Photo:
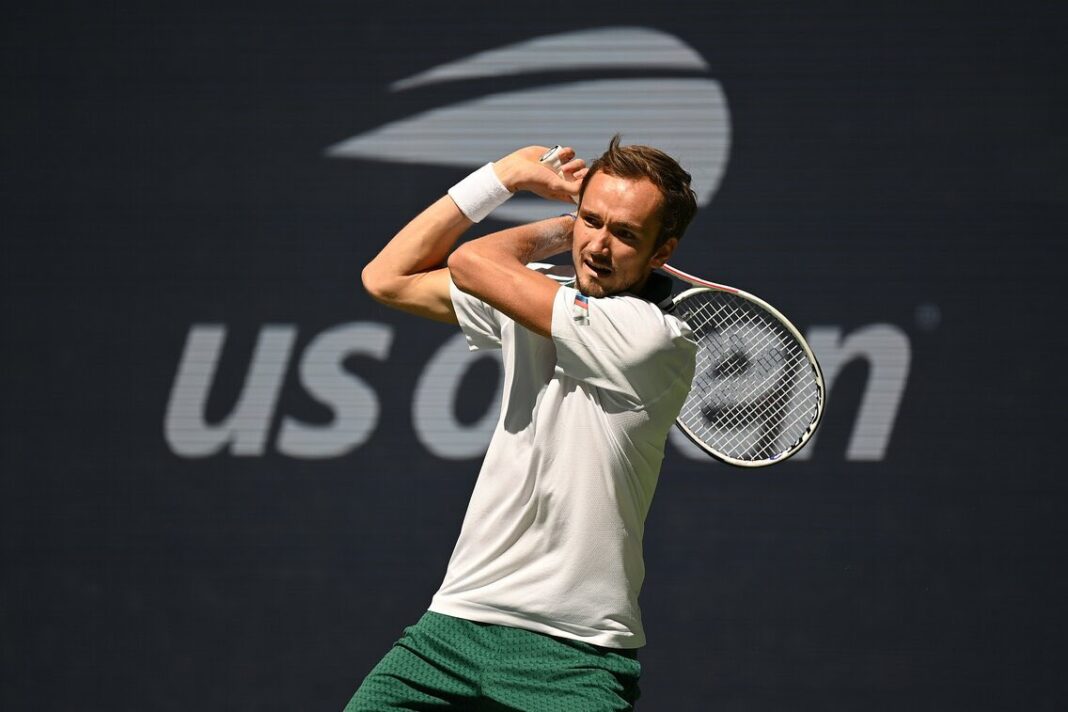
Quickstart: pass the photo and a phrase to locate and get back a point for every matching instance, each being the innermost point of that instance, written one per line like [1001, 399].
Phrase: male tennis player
[539, 606]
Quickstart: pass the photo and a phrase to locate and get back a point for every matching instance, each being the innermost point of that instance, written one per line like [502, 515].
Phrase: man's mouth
[597, 269]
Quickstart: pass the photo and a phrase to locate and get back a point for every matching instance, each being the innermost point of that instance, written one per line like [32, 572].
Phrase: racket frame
[699, 285]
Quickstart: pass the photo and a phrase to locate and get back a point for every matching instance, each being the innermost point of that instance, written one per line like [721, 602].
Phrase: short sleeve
[622, 344]
[480, 322]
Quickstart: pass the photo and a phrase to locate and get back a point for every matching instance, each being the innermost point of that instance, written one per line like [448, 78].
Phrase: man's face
[615, 234]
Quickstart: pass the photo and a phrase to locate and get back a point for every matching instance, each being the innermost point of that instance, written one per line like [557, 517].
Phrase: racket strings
[746, 428]
[754, 390]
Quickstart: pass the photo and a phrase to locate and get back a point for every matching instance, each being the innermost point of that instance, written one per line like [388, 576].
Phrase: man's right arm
[409, 273]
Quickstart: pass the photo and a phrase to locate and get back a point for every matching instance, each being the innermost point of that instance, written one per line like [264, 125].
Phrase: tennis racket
[757, 394]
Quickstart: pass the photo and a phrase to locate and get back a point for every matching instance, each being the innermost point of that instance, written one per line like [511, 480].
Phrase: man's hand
[522, 171]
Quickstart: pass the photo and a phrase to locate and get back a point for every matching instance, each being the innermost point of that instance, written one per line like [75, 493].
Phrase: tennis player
[539, 606]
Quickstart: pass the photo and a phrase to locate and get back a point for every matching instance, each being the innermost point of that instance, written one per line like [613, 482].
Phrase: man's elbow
[379, 285]
[459, 264]
[464, 266]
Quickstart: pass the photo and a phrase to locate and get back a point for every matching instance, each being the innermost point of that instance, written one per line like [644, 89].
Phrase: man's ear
[664, 252]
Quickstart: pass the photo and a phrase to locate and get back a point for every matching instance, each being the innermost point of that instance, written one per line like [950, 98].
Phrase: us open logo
[681, 110]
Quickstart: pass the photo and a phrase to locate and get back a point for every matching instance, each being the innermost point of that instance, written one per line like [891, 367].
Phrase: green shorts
[443, 662]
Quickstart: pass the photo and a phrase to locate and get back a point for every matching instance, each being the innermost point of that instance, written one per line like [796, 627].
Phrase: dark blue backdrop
[896, 179]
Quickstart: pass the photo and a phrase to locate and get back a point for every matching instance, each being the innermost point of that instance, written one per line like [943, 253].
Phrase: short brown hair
[636, 162]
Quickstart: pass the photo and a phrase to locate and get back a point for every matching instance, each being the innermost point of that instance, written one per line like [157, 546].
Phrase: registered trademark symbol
[928, 317]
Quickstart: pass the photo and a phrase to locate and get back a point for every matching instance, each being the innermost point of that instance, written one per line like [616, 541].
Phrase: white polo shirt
[552, 538]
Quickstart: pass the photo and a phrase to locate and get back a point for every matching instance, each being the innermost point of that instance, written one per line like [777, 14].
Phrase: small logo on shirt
[582, 309]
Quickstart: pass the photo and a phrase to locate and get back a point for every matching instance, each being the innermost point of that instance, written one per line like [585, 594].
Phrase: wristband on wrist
[479, 194]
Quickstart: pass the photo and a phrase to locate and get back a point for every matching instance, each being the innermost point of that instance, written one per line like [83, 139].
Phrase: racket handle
[551, 159]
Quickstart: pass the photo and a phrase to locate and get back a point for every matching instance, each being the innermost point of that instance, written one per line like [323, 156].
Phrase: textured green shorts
[443, 662]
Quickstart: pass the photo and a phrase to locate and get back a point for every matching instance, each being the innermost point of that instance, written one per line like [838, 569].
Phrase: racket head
[758, 392]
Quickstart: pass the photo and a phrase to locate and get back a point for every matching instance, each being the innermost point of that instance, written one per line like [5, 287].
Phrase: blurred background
[229, 479]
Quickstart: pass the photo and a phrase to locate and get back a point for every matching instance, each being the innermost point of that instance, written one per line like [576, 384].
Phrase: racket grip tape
[551, 159]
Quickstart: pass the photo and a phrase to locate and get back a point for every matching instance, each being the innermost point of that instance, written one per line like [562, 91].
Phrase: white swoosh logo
[601, 48]
[687, 117]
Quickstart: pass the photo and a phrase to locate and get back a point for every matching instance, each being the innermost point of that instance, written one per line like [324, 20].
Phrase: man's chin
[591, 288]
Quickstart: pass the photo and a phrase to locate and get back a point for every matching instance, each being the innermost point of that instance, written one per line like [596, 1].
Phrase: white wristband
[479, 194]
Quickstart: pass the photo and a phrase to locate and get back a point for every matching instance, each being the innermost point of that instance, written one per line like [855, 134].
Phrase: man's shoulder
[647, 313]
[647, 333]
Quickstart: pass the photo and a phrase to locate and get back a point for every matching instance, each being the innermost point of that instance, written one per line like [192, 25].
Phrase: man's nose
[599, 242]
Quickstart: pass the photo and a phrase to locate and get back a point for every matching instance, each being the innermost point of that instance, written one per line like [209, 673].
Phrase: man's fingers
[565, 154]
[562, 180]
[572, 167]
